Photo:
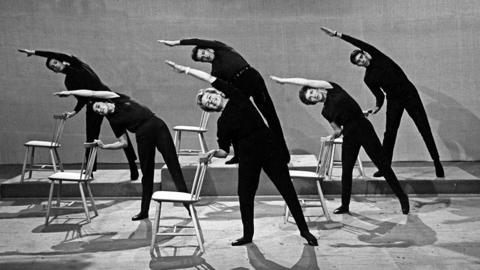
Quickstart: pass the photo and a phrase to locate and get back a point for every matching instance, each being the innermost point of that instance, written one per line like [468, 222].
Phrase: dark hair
[48, 63]
[354, 54]
[302, 94]
[195, 53]
[202, 92]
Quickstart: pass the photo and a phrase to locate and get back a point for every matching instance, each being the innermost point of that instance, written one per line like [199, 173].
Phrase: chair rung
[66, 207]
[176, 234]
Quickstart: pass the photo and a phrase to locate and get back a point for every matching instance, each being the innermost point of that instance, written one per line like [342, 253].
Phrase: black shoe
[405, 205]
[241, 241]
[378, 174]
[311, 240]
[233, 160]
[439, 169]
[341, 210]
[139, 216]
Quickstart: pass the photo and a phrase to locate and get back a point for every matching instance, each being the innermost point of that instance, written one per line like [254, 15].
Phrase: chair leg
[32, 162]
[84, 201]
[196, 225]
[203, 144]
[155, 227]
[92, 201]
[52, 157]
[286, 213]
[330, 165]
[177, 140]
[58, 159]
[322, 201]
[49, 205]
[59, 192]
[24, 167]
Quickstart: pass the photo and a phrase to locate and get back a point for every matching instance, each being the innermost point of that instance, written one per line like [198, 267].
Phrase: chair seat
[172, 196]
[338, 140]
[305, 175]
[190, 128]
[69, 176]
[42, 144]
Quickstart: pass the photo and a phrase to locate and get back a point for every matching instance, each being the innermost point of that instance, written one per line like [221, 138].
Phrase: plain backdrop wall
[435, 42]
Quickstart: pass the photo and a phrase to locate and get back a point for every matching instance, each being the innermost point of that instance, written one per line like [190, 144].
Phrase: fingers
[170, 63]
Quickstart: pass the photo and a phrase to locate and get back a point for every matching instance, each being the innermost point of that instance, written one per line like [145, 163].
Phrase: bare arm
[119, 144]
[303, 82]
[201, 75]
[218, 153]
[170, 43]
[88, 93]
[337, 130]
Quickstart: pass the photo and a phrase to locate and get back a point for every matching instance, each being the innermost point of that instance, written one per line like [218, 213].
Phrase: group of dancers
[257, 145]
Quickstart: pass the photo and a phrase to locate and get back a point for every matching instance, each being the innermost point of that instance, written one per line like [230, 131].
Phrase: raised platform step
[221, 180]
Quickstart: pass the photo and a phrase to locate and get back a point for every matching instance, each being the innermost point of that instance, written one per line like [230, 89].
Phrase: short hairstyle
[204, 91]
[195, 53]
[354, 54]
[48, 63]
[302, 94]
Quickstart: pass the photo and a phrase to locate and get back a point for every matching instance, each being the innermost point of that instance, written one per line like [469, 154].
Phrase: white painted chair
[199, 130]
[52, 146]
[82, 177]
[339, 141]
[182, 197]
[323, 158]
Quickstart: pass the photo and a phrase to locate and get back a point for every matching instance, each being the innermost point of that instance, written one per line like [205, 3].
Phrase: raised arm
[213, 44]
[355, 42]
[48, 54]
[303, 82]
[201, 75]
[88, 94]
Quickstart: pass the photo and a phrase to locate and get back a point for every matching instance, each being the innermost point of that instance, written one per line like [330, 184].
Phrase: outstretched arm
[213, 44]
[201, 75]
[87, 94]
[48, 54]
[303, 82]
[119, 144]
[355, 42]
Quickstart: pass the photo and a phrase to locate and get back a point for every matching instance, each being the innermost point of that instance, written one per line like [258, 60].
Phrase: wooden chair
[82, 177]
[339, 141]
[182, 197]
[199, 130]
[52, 147]
[323, 158]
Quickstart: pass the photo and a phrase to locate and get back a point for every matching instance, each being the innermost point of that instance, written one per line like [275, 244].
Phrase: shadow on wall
[454, 118]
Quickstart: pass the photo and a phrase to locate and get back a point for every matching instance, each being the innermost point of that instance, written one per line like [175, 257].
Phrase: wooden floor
[440, 233]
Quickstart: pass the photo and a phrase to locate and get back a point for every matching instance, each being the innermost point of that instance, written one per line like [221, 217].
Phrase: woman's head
[210, 99]
[360, 58]
[55, 65]
[311, 96]
[103, 107]
[202, 54]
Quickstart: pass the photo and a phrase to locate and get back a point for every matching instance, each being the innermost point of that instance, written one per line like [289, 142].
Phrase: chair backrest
[88, 160]
[204, 119]
[199, 176]
[60, 120]
[324, 156]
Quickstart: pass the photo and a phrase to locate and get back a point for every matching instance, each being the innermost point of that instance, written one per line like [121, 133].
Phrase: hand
[366, 113]
[99, 143]
[277, 79]
[177, 68]
[169, 43]
[328, 31]
[62, 93]
[27, 52]
[69, 114]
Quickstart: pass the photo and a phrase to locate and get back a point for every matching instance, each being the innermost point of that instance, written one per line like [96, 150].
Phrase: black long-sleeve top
[239, 120]
[128, 115]
[226, 63]
[340, 107]
[78, 75]
[382, 74]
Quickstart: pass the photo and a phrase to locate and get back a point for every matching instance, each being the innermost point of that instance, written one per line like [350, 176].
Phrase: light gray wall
[435, 42]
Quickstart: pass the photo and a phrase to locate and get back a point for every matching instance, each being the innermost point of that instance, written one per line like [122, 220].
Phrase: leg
[371, 144]
[164, 144]
[94, 123]
[415, 109]
[131, 157]
[248, 179]
[394, 115]
[350, 149]
[146, 152]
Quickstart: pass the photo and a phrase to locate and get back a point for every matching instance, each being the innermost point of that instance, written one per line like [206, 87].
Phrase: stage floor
[440, 233]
